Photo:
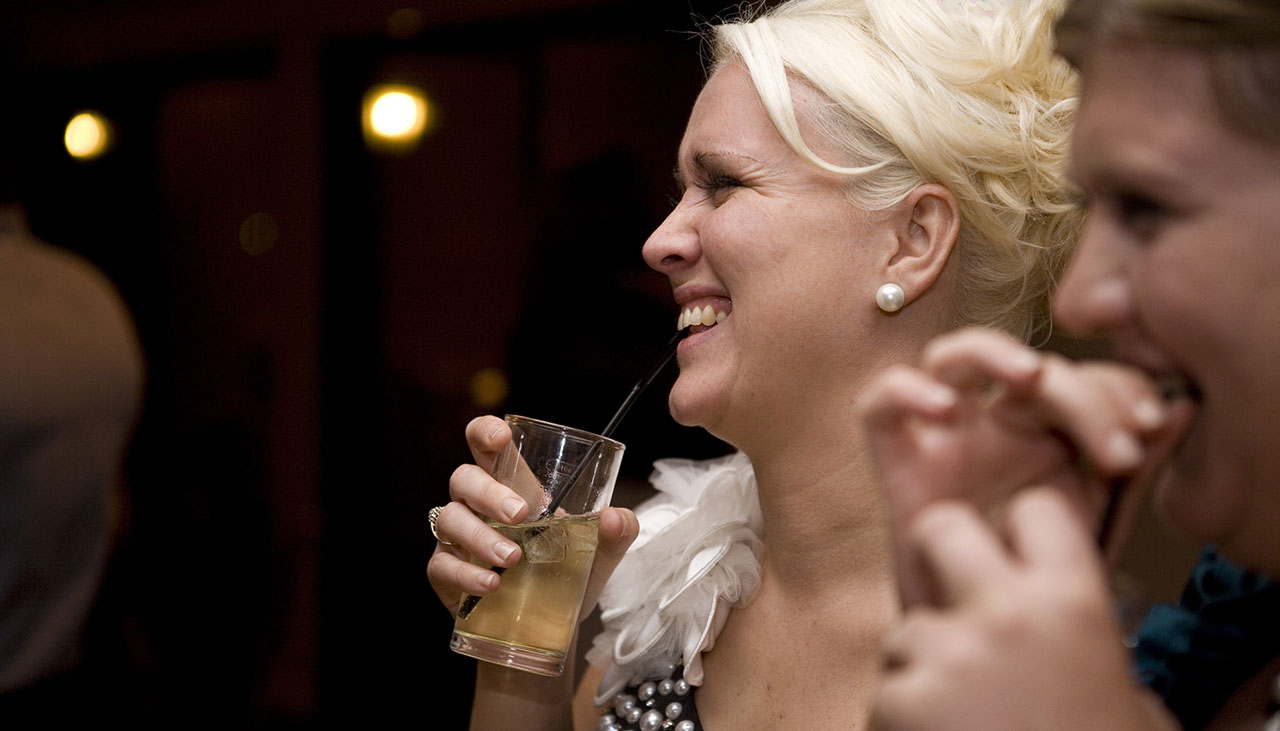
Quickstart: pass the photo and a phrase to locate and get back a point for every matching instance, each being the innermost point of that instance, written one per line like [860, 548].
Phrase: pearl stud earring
[890, 297]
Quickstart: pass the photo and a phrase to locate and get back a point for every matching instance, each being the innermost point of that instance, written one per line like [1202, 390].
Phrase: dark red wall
[305, 404]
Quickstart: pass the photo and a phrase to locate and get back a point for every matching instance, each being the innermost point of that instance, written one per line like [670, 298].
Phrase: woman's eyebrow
[708, 160]
[712, 158]
[702, 161]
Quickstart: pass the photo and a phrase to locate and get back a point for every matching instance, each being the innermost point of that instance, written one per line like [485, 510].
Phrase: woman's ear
[926, 226]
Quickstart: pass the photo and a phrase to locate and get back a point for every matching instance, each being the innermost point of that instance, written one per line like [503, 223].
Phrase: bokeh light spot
[488, 388]
[259, 233]
[88, 135]
[396, 116]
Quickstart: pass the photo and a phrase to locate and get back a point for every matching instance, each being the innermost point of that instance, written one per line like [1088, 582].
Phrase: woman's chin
[1203, 506]
[682, 413]
[690, 407]
[1171, 502]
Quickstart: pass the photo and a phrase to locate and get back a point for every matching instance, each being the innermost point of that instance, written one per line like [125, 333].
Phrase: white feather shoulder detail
[697, 556]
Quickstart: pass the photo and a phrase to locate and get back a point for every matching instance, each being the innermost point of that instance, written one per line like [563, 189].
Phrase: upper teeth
[700, 316]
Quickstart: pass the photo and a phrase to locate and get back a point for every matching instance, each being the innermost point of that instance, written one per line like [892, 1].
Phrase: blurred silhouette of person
[71, 378]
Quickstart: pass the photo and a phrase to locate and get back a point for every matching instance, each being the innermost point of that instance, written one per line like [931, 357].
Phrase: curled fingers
[958, 551]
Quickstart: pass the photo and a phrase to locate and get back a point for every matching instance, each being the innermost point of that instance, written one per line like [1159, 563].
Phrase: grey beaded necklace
[664, 704]
[1273, 708]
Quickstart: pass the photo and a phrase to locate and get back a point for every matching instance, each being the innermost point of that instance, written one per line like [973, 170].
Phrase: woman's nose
[1095, 295]
[675, 243]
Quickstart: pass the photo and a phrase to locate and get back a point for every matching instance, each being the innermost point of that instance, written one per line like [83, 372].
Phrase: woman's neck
[823, 514]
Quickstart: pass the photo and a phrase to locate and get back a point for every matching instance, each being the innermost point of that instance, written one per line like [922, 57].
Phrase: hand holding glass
[567, 477]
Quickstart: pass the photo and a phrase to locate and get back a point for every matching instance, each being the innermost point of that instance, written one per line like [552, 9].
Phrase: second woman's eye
[1141, 215]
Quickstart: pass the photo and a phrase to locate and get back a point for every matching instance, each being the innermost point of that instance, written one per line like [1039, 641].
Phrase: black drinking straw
[558, 496]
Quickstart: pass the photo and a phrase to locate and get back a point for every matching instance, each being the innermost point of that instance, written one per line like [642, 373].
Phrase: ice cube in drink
[530, 620]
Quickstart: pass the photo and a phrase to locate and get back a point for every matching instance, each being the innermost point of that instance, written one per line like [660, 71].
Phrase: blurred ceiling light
[396, 116]
[88, 135]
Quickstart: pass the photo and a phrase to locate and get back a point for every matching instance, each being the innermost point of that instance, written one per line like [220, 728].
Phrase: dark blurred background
[321, 317]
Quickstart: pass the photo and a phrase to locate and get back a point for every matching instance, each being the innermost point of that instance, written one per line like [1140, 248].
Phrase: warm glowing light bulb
[395, 116]
[88, 135]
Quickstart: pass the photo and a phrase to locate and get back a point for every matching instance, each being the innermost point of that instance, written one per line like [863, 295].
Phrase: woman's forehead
[1144, 111]
[729, 118]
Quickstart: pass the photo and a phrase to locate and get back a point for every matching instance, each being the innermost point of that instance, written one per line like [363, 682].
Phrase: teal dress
[1225, 628]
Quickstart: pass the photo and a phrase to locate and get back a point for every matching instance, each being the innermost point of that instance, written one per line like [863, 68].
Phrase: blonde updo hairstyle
[951, 92]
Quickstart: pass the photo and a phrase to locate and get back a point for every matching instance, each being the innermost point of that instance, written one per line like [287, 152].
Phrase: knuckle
[458, 574]
[437, 570]
[936, 521]
[467, 578]
[460, 474]
[878, 397]
[481, 534]
[936, 348]
[1006, 619]
[494, 492]
[449, 575]
[1082, 606]
[447, 515]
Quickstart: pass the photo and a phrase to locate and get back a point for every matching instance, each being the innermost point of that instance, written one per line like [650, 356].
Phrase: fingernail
[1124, 449]
[511, 507]
[489, 580]
[504, 550]
[1026, 360]
[1148, 414]
[941, 397]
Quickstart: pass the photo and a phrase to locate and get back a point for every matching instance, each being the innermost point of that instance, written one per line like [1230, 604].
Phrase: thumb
[618, 530]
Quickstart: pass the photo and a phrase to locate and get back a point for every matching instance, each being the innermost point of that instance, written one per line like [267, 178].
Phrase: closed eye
[718, 187]
[718, 182]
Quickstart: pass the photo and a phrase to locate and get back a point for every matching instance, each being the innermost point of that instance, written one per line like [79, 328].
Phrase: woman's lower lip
[695, 335]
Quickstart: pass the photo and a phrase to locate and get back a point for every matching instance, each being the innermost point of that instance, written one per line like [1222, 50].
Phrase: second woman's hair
[1238, 39]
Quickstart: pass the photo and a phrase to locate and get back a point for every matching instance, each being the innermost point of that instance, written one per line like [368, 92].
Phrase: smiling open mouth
[1175, 386]
[694, 316]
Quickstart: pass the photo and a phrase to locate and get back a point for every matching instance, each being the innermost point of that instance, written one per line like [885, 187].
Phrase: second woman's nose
[1095, 295]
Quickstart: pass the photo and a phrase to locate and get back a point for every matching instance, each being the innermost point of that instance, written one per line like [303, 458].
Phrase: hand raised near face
[984, 415]
[1019, 634]
[476, 497]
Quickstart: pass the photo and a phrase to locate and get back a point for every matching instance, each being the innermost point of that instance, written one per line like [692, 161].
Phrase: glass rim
[579, 433]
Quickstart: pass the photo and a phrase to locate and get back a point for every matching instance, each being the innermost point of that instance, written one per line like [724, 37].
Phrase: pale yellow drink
[534, 613]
